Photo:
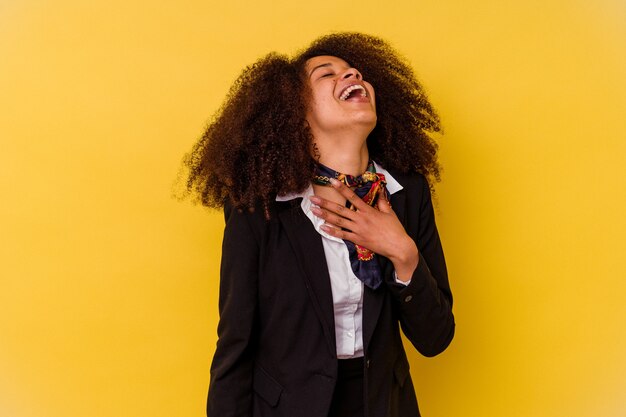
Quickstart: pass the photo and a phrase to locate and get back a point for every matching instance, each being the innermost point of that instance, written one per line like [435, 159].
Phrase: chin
[368, 121]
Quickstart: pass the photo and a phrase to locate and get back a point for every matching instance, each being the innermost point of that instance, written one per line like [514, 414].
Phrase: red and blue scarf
[369, 187]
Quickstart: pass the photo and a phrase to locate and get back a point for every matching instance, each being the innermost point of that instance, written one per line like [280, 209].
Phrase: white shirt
[346, 288]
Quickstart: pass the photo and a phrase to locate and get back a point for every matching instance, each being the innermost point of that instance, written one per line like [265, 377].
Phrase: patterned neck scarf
[369, 187]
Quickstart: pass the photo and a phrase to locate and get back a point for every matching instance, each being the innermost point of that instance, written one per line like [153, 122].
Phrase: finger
[349, 195]
[383, 204]
[343, 234]
[340, 233]
[330, 206]
[332, 218]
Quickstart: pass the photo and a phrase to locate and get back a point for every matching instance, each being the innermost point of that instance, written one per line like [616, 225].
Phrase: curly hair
[258, 145]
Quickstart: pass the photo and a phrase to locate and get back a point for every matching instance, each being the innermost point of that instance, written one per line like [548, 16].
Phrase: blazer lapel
[373, 299]
[309, 252]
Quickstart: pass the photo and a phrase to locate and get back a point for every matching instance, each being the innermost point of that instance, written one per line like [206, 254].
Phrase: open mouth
[352, 91]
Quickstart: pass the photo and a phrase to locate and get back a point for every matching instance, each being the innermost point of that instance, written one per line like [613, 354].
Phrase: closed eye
[328, 74]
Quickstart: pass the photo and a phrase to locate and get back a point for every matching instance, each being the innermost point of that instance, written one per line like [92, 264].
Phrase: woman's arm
[426, 303]
[230, 390]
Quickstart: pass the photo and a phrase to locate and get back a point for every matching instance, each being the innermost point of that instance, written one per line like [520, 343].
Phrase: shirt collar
[393, 186]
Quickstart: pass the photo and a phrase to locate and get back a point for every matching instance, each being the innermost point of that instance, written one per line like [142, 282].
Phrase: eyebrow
[327, 64]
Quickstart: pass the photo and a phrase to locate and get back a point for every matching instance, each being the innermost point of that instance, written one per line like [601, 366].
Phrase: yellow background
[108, 288]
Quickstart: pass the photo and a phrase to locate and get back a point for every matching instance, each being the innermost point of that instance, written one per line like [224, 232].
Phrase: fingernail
[334, 181]
[314, 199]
[316, 211]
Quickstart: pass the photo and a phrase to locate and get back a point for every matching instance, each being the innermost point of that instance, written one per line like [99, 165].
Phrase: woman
[315, 279]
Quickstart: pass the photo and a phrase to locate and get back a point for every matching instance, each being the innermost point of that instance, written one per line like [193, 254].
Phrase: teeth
[347, 91]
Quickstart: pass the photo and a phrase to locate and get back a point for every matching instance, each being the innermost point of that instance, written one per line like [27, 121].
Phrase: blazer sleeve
[425, 305]
[230, 388]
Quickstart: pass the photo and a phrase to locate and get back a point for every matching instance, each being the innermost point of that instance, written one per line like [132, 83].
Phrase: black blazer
[276, 352]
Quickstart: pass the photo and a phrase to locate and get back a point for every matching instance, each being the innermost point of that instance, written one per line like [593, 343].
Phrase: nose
[352, 72]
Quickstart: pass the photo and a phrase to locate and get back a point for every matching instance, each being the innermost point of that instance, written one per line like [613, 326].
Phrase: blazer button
[408, 298]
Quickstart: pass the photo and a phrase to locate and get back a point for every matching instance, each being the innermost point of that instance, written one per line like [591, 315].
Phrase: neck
[347, 157]
[352, 162]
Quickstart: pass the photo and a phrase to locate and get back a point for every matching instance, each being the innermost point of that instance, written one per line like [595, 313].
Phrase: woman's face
[340, 99]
